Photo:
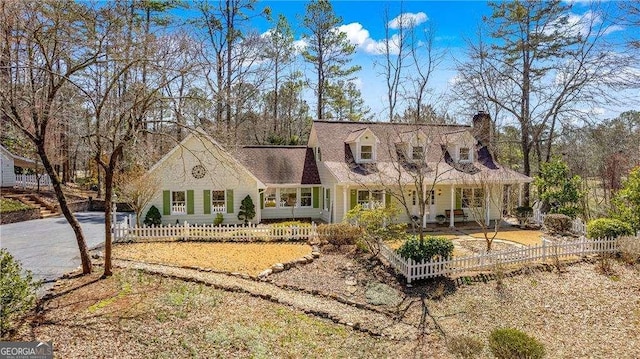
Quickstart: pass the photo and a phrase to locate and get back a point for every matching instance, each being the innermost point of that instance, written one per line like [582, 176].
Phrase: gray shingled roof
[337, 156]
[280, 164]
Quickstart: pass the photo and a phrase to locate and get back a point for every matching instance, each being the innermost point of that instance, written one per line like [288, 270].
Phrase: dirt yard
[574, 310]
[249, 258]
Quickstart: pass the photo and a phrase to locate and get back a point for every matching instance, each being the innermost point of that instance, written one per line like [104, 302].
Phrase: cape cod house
[343, 164]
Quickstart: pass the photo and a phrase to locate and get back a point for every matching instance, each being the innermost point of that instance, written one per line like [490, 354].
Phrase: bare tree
[481, 193]
[137, 189]
[43, 48]
[539, 70]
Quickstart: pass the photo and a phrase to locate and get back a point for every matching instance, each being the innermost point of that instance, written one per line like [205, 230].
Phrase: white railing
[219, 209]
[577, 225]
[412, 270]
[31, 181]
[179, 208]
[123, 231]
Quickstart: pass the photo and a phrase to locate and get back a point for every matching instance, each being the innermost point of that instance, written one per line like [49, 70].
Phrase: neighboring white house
[8, 162]
[343, 164]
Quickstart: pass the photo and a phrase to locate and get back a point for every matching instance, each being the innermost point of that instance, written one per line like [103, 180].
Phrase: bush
[426, 250]
[629, 249]
[608, 228]
[218, 220]
[557, 223]
[247, 210]
[463, 346]
[572, 212]
[511, 343]
[339, 234]
[17, 291]
[153, 217]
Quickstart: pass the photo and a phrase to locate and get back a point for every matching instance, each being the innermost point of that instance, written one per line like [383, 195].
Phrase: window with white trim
[305, 197]
[218, 201]
[471, 197]
[270, 198]
[370, 199]
[288, 197]
[178, 202]
[417, 153]
[366, 152]
[327, 199]
[465, 154]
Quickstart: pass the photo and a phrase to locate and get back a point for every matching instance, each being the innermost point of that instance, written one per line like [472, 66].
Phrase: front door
[430, 209]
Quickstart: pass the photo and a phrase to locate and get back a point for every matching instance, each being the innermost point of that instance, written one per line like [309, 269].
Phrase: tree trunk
[64, 207]
[108, 202]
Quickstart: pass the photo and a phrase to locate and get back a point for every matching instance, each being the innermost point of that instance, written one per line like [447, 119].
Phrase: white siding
[222, 173]
[7, 171]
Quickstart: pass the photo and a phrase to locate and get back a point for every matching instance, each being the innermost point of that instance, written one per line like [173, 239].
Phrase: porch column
[508, 189]
[453, 206]
[487, 204]
[520, 186]
[345, 197]
[424, 204]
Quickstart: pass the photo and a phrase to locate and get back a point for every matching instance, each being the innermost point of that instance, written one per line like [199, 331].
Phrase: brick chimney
[483, 128]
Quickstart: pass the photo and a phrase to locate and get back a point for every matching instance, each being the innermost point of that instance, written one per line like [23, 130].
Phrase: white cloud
[300, 45]
[356, 34]
[408, 19]
[585, 24]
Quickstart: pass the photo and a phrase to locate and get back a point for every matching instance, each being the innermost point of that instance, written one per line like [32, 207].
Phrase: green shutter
[206, 200]
[458, 198]
[229, 201]
[387, 199]
[166, 203]
[354, 198]
[190, 202]
[316, 197]
[328, 199]
[261, 200]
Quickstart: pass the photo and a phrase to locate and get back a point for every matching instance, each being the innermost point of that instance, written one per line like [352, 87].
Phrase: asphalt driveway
[48, 247]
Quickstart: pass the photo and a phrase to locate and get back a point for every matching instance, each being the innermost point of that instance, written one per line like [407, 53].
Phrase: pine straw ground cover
[249, 258]
[136, 315]
[576, 312]
[525, 237]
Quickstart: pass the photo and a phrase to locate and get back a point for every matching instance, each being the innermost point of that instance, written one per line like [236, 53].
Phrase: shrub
[218, 220]
[17, 291]
[339, 234]
[629, 249]
[247, 210]
[427, 249]
[153, 217]
[557, 223]
[465, 347]
[511, 343]
[570, 211]
[608, 228]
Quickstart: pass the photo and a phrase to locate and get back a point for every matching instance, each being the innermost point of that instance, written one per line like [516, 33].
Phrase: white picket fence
[412, 270]
[31, 181]
[123, 231]
[577, 225]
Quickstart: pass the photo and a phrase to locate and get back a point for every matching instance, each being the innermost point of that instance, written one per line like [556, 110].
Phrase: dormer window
[417, 153]
[465, 154]
[366, 152]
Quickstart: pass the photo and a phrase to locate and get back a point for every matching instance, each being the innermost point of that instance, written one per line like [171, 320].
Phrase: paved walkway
[362, 319]
[48, 247]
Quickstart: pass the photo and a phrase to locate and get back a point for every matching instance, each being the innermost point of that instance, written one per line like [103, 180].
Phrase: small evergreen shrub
[218, 220]
[426, 250]
[465, 347]
[17, 291]
[511, 343]
[608, 228]
[247, 210]
[153, 217]
[339, 234]
[557, 223]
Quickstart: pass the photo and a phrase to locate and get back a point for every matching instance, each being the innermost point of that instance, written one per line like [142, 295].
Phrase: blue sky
[453, 21]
